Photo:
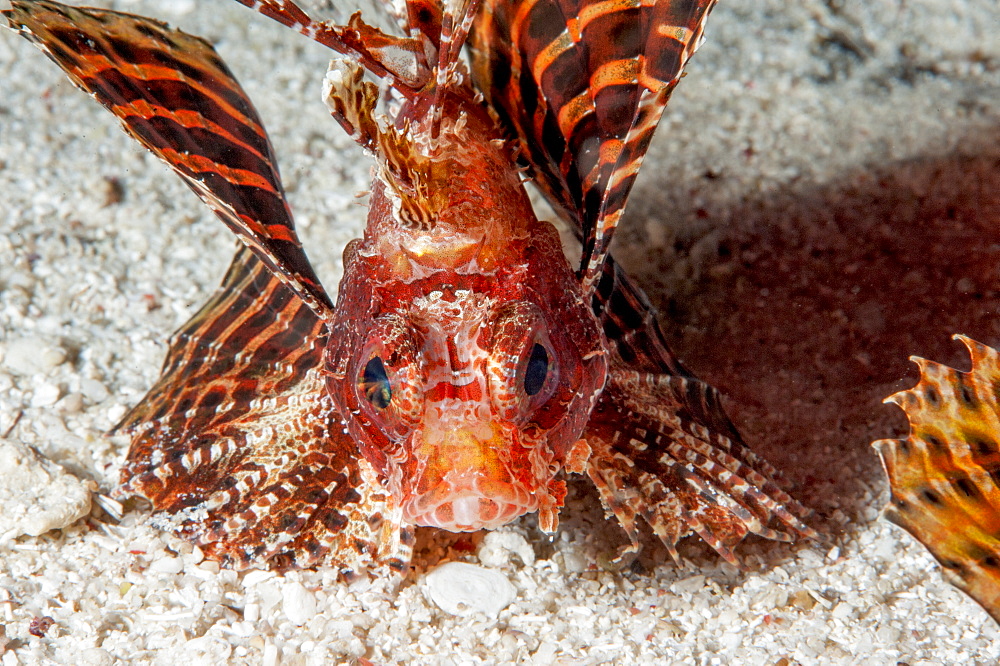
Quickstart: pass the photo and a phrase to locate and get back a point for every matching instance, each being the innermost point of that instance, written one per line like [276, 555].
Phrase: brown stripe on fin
[630, 325]
[174, 94]
[944, 476]
[582, 84]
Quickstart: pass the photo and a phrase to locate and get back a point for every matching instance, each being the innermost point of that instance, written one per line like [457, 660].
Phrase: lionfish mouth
[461, 483]
[468, 510]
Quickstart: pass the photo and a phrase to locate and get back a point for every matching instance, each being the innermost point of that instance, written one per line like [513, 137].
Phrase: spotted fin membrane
[945, 476]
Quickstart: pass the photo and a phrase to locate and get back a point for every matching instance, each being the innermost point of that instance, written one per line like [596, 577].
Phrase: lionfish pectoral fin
[944, 476]
[582, 84]
[629, 322]
[174, 94]
[239, 447]
[654, 459]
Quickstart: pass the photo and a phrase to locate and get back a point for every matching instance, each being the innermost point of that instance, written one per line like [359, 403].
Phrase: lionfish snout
[462, 482]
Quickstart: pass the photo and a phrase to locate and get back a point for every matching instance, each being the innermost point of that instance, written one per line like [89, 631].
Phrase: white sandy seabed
[90, 289]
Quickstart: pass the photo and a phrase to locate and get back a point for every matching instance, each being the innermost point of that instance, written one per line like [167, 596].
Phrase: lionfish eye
[374, 384]
[537, 370]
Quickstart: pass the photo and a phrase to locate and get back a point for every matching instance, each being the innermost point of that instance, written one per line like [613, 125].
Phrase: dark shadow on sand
[812, 300]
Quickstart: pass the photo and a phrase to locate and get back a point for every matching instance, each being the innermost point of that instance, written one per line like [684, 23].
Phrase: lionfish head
[463, 355]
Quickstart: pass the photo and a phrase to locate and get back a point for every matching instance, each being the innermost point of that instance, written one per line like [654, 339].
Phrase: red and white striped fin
[653, 458]
[239, 447]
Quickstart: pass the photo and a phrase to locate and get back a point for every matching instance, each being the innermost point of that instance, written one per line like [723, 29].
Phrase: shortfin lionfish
[465, 368]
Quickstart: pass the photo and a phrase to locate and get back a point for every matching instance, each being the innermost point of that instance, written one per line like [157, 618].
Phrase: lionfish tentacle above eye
[403, 164]
[401, 61]
[582, 85]
[945, 477]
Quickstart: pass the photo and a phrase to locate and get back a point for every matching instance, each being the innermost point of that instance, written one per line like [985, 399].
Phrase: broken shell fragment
[463, 589]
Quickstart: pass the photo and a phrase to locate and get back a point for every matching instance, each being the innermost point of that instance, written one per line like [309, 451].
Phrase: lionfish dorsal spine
[400, 61]
[426, 57]
[421, 67]
[456, 21]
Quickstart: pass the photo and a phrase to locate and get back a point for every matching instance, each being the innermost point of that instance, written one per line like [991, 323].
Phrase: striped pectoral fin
[253, 334]
[294, 495]
[582, 84]
[636, 341]
[239, 447]
[282, 486]
[653, 460]
[175, 95]
[945, 477]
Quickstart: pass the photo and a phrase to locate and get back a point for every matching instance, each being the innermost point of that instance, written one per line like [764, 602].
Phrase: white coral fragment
[498, 546]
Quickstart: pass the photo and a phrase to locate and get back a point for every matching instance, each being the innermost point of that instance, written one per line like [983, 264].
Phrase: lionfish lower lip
[466, 507]
[468, 513]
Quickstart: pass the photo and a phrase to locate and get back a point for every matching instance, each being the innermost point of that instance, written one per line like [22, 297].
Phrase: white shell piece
[29, 356]
[298, 603]
[458, 588]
